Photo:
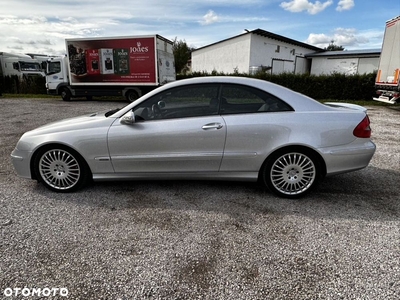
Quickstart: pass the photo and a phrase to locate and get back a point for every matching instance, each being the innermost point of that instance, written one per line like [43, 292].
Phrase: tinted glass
[243, 99]
[181, 102]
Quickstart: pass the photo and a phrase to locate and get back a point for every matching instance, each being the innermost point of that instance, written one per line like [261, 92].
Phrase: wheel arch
[60, 87]
[45, 147]
[290, 148]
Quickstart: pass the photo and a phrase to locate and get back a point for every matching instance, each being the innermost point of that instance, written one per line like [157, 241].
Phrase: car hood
[95, 120]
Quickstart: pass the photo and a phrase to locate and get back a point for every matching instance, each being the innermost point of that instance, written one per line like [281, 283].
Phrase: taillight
[363, 130]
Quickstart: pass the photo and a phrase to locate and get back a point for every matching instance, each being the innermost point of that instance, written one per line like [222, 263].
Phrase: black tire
[61, 169]
[66, 94]
[292, 173]
[131, 95]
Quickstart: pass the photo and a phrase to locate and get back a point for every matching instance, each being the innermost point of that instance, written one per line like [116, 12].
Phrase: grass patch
[31, 96]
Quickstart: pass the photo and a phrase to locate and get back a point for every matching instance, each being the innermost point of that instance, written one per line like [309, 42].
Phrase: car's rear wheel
[61, 169]
[291, 174]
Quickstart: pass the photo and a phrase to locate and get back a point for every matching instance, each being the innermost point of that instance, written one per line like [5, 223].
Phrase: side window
[180, 102]
[54, 67]
[237, 99]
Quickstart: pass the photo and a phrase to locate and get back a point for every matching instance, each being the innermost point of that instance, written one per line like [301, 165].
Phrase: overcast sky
[41, 26]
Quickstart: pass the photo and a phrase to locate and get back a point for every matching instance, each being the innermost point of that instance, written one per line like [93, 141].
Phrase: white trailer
[387, 81]
[111, 66]
[21, 65]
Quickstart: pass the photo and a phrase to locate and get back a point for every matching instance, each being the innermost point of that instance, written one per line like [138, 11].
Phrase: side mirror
[128, 119]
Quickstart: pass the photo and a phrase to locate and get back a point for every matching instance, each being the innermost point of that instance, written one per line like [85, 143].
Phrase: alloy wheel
[59, 169]
[293, 173]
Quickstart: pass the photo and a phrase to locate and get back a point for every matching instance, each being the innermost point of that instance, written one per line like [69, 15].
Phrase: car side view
[210, 128]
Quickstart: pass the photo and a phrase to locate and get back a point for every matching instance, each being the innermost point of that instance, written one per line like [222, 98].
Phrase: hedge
[336, 86]
[26, 85]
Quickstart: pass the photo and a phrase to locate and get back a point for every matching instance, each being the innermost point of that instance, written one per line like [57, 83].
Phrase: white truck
[21, 65]
[387, 81]
[111, 66]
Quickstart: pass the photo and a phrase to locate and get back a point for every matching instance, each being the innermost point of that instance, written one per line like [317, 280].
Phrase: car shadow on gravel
[366, 194]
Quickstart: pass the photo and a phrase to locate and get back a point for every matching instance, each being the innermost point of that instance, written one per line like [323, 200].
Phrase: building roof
[271, 36]
[347, 53]
[284, 39]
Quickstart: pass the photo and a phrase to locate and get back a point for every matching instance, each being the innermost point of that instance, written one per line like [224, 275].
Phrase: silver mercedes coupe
[226, 128]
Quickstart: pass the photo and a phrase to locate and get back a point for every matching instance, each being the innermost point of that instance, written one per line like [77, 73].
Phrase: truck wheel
[66, 94]
[131, 95]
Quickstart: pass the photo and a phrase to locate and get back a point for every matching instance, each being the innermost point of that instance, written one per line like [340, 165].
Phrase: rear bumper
[354, 156]
[391, 96]
[390, 100]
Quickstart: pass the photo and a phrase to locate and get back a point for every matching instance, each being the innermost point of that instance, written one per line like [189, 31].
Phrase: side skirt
[239, 176]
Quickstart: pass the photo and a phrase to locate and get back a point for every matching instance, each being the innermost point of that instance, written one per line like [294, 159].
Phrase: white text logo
[27, 292]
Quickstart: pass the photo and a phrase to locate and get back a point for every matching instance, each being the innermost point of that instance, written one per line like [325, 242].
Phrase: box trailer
[388, 76]
[111, 66]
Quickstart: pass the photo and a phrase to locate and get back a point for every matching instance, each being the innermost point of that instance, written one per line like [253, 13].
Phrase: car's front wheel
[292, 174]
[61, 169]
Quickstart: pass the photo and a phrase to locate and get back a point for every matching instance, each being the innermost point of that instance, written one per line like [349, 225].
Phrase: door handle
[212, 126]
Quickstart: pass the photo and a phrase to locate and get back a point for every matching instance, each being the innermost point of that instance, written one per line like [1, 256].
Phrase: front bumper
[21, 163]
[51, 92]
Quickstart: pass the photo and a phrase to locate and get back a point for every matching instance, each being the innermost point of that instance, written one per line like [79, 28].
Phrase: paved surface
[198, 240]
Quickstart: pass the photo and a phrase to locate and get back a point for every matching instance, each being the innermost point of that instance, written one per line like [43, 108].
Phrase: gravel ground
[198, 240]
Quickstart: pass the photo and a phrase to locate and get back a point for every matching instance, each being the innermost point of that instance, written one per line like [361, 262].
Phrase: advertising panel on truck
[115, 61]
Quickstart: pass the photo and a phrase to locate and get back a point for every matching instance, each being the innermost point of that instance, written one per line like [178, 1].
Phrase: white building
[252, 51]
[344, 62]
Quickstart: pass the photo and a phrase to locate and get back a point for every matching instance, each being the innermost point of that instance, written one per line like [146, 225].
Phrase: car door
[178, 130]
[256, 124]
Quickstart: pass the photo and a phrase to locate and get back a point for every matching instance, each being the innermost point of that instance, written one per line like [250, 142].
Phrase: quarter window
[243, 99]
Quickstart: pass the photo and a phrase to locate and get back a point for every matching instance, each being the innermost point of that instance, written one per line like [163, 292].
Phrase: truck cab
[20, 65]
[56, 75]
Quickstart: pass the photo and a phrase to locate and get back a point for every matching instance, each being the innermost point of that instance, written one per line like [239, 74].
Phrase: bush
[336, 86]
[26, 85]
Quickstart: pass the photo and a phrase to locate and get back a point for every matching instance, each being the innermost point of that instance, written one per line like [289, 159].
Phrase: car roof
[297, 101]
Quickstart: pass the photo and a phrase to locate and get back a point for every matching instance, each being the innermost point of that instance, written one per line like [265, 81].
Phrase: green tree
[182, 55]
[333, 47]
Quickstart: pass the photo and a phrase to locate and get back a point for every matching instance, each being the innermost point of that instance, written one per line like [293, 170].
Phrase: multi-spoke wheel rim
[59, 169]
[293, 173]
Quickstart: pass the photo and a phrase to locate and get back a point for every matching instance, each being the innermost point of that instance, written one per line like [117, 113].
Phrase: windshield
[53, 67]
[29, 66]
